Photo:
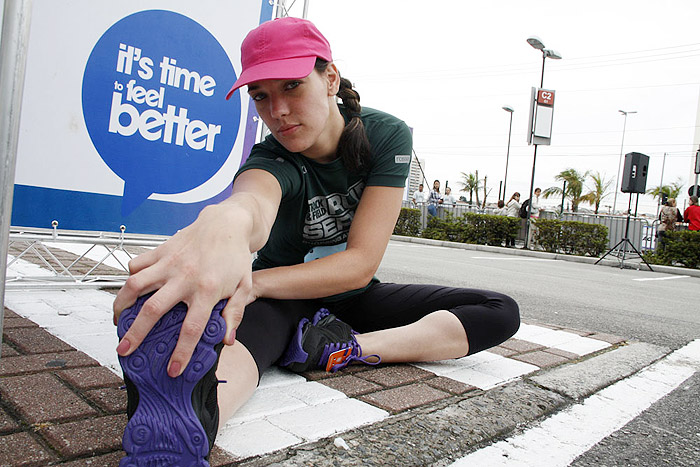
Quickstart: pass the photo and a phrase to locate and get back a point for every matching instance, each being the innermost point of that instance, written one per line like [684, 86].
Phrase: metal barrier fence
[642, 232]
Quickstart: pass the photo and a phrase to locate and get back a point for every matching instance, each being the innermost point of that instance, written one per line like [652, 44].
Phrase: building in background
[415, 176]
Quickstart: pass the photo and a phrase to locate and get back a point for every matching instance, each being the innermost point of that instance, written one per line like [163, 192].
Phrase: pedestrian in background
[534, 214]
[419, 196]
[501, 209]
[513, 210]
[692, 214]
[667, 217]
[448, 199]
[435, 199]
[513, 205]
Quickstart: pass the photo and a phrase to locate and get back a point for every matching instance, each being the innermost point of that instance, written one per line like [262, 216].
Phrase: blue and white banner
[124, 117]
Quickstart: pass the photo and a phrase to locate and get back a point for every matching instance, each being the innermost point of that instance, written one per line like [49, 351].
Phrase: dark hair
[501, 203]
[513, 197]
[353, 148]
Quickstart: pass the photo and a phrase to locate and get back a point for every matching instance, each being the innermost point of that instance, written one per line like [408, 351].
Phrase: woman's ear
[333, 77]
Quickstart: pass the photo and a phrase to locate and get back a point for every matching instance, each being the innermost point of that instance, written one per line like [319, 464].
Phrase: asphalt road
[662, 311]
[640, 305]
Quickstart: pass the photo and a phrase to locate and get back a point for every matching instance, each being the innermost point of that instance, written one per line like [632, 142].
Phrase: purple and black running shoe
[324, 343]
[172, 421]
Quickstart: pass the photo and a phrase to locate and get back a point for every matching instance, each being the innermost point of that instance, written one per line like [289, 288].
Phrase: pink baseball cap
[284, 48]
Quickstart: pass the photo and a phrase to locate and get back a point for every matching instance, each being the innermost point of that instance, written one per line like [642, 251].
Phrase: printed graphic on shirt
[402, 159]
[329, 217]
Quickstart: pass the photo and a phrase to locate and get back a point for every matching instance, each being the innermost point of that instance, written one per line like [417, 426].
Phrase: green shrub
[681, 247]
[481, 229]
[570, 237]
[408, 223]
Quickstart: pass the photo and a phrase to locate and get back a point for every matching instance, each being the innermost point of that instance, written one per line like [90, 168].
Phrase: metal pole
[281, 10]
[697, 171]
[563, 197]
[532, 179]
[661, 185]
[619, 163]
[13, 59]
[305, 14]
[505, 178]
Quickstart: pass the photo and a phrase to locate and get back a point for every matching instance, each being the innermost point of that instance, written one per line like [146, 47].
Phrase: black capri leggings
[489, 318]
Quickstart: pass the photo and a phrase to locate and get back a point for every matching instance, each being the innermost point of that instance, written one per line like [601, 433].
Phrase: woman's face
[436, 185]
[298, 111]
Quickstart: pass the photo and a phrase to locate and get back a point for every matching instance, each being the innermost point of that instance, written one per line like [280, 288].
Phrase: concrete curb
[447, 430]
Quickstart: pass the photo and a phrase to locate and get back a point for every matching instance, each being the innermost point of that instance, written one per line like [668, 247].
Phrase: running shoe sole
[165, 428]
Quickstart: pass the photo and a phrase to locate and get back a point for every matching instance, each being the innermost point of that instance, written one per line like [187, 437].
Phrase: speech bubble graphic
[153, 103]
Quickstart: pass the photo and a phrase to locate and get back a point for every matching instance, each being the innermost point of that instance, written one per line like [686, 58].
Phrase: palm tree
[471, 183]
[574, 187]
[671, 191]
[599, 190]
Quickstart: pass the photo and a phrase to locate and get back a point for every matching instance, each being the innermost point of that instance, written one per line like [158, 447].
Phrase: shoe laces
[340, 354]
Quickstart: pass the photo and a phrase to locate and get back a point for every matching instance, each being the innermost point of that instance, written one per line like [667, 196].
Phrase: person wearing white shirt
[535, 209]
[448, 199]
[534, 214]
[419, 196]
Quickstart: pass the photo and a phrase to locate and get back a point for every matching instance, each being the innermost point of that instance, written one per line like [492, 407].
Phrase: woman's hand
[207, 261]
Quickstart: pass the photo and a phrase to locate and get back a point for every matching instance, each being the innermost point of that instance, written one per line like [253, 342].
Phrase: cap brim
[288, 68]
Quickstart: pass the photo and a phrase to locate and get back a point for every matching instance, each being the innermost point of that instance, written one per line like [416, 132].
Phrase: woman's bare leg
[437, 336]
[237, 367]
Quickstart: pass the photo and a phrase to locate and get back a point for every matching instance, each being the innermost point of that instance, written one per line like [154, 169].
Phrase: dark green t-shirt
[319, 200]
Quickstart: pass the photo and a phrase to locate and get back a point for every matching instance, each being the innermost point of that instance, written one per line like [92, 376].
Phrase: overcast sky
[447, 68]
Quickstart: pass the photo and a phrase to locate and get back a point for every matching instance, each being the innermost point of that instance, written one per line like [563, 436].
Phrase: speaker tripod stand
[624, 242]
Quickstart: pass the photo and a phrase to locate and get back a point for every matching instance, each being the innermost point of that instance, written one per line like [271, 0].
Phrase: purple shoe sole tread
[164, 429]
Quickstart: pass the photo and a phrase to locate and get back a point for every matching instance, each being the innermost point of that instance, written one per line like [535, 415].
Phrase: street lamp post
[619, 162]
[537, 43]
[510, 110]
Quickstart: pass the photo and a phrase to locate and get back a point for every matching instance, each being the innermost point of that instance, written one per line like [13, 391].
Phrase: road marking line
[660, 278]
[511, 259]
[561, 438]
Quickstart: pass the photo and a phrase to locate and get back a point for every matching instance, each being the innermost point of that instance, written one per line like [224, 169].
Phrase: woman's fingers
[141, 283]
[191, 331]
[144, 260]
[151, 311]
[234, 309]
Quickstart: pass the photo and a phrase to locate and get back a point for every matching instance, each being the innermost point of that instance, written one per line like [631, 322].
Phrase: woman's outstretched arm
[203, 263]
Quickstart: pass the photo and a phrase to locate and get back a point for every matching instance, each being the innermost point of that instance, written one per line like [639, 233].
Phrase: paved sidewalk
[61, 402]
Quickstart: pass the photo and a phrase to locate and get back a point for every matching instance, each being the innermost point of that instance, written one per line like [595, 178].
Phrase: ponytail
[353, 147]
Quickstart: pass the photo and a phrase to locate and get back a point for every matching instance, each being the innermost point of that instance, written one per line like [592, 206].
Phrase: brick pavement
[59, 405]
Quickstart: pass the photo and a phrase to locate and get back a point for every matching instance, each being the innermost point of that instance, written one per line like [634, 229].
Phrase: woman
[501, 209]
[317, 201]
[434, 198]
[692, 214]
[512, 210]
[668, 217]
[449, 199]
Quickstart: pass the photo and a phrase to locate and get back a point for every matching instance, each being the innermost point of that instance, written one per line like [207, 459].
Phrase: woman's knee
[509, 314]
[490, 323]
